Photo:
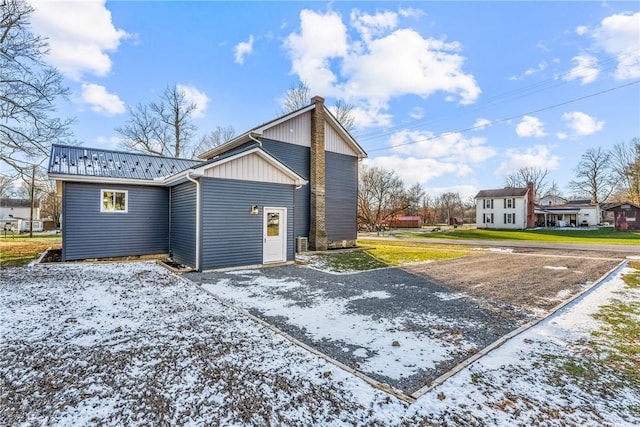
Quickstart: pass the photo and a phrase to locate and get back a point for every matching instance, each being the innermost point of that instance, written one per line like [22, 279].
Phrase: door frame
[283, 232]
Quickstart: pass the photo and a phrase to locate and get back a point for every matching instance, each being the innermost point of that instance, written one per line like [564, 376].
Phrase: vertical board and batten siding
[183, 223]
[341, 196]
[334, 143]
[296, 130]
[231, 235]
[89, 233]
[251, 167]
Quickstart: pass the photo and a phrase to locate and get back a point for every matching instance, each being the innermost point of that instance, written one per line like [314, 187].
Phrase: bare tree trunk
[33, 191]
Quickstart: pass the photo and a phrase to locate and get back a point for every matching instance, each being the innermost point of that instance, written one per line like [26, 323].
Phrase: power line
[562, 79]
[506, 119]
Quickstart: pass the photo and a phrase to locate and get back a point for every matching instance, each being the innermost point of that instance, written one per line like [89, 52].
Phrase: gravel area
[394, 326]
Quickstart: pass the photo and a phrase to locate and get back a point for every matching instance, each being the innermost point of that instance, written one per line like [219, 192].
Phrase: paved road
[630, 249]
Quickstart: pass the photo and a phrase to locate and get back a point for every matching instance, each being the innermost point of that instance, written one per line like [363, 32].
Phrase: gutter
[198, 219]
[254, 139]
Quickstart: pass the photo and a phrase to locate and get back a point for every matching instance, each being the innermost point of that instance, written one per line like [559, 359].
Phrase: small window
[114, 201]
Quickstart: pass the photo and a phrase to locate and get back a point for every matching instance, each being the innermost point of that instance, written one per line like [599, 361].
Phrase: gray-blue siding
[89, 233]
[183, 223]
[341, 196]
[231, 236]
[341, 189]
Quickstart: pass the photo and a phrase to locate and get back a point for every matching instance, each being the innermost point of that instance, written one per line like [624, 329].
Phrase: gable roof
[503, 192]
[69, 161]
[618, 205]
[257, 131]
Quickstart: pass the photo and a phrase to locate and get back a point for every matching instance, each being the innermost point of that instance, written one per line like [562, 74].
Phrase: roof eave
[105, 180]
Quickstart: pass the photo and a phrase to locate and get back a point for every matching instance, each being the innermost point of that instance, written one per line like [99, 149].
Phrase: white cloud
[619, 35]
[373, 25]
[371, 115]
[110, 143]
[416, 113]
[376, 62]
[481, 123]
[530, 127]
[100, 100]
[412, 170]
[530, 71]
[562, 135]
[242, 49]
[409, 12]
[582, 124]
[586, 69]
[452, 147]
[581, 30]
[80, 35]
[537, 156]
[192, 94]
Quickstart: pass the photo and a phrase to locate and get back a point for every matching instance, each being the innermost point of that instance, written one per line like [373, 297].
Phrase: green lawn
[399, 253]
[19, 249]
[601, 235]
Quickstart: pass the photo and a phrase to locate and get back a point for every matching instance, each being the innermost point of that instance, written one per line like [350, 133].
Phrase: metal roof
[94, 162]
[503, 192]
[18, 203]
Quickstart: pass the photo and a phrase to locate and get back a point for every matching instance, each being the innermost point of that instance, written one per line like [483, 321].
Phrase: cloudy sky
[453, 95]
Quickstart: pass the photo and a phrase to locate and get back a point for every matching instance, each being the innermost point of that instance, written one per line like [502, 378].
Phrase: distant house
[244, 203]
[15, 215]
[559, 212]
[505, 208]
[626, 216]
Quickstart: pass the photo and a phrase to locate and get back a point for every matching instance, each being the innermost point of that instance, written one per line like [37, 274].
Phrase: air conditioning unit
[302, 244]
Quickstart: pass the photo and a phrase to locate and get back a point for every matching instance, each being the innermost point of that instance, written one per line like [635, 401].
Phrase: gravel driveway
[394, 326]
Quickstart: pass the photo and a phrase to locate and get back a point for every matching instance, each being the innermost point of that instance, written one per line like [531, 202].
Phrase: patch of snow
[555, 267]
[497, 250]
[448, 296]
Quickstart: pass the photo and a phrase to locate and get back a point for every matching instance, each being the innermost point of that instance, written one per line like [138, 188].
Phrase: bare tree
[299, 96]
[415, 196]
[216, 137]
[5, 186]
[427, 211]
[380, 194]
[163, 128]
[343, 112]
[29, 89]
[448, 204]
[625, 163]
[594, 176]
[538, 176]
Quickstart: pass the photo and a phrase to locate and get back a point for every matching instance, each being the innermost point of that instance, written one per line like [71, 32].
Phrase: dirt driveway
[534, 281]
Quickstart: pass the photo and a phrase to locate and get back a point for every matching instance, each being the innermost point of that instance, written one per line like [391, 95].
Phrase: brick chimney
[531, 206]
[317, 230]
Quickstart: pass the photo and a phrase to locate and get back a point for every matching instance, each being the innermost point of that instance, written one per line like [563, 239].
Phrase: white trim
[126, 201]
[105, 180]
[298, 180]
[283, 226]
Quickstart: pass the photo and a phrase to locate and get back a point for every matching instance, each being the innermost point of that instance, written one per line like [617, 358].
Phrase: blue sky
[453, 95]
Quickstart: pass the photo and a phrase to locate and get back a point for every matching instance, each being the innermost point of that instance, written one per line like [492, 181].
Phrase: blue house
[244, 203]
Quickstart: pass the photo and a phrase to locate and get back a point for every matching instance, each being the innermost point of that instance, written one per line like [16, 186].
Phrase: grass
[611, 358]
[600, 235]
[18, 250]
[341, 262]
[400, 253]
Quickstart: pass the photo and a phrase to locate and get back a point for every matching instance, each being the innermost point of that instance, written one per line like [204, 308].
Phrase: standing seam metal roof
[81, 161]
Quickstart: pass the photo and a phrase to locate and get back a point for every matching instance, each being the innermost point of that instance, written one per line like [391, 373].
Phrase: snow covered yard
[132, 344]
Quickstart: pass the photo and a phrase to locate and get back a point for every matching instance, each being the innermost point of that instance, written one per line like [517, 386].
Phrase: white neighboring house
[15, 215]
[504, 208]
[554, 211]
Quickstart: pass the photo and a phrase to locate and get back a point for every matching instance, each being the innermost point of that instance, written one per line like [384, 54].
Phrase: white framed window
[114, 201]
[509, 203]
[487, 218]
[488, 203]
[509, 218]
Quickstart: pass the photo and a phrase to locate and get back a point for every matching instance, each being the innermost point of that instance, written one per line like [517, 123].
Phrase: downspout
[256, 140]
[198, 223]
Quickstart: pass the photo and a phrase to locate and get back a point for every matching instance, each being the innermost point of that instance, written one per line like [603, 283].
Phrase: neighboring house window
[508, 203]
[488, 203]
[114, 201]
[487, 218]
[509, 218]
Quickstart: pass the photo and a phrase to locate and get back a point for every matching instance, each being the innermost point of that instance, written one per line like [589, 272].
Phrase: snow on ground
[133, 344]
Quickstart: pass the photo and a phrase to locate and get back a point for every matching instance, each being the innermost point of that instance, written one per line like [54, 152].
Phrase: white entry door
[275, 235]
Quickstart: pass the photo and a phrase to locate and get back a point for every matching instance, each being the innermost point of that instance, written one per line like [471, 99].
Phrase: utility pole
[33, 187]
